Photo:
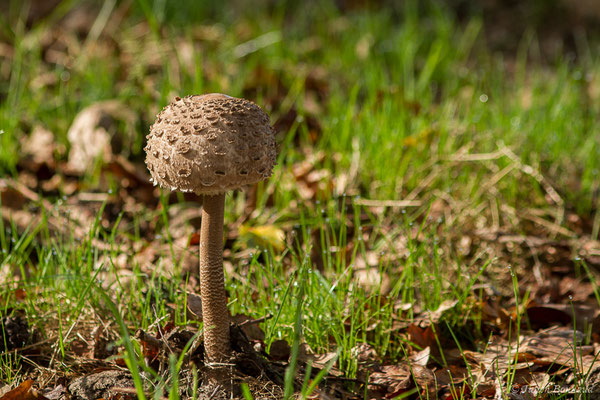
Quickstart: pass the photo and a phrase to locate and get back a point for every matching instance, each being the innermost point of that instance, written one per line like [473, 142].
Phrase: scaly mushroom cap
[210, 144]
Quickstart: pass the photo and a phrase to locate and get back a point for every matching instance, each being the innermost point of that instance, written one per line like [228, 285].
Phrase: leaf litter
[420, 371]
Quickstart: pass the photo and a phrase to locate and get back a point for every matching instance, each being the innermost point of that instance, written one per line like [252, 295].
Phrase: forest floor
[431, 229]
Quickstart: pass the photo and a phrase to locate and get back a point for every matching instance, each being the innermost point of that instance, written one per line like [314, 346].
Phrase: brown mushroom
[208, 145]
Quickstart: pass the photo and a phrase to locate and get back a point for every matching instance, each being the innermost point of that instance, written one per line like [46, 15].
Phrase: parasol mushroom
[211, 144]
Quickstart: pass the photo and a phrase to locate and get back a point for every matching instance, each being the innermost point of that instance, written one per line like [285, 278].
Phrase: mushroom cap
[209, 144]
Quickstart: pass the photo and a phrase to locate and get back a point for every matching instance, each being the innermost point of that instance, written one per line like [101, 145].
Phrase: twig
[553, 227]
[388, 203]
[476, 157]
[425, 183]
[145, 337]
[529, 170]
[256, 321]
[535, 174]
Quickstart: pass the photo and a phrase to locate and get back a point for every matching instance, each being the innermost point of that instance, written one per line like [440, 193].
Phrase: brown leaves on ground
[24, 391]
[94, 133]
[546, 243]
[111, 384]
[539, 361]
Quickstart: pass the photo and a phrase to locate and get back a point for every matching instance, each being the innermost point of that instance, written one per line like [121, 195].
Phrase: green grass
[404, 99]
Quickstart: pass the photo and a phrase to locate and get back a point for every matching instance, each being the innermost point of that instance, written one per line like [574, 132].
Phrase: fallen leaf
[265, 236]
[280, 350]
[421, 357]
[583, 314]
[453, 374]
[392, 377]
[310, 181]
[252, 331]
[150, 345]
[24, 391]
[39, 145]
[457, 392]
[422, 337]
[92, 131]
[561, 347]
[319, 361]
[425, 380]
[99, 385]
[364, 353]
[194, 305]
[14, 330]
[372, 279]
[544, 316]
[57, 393]
[435, 316]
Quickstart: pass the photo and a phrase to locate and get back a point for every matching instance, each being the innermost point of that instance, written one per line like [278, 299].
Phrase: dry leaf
[280, 350]
[265, 236]
[422, 337]
[57, 393]
[39, 145]
[393, 377]
[421, 357]
[435, 316]
[92, 131]
[319, 361]
[194, 305]
[252, 331]
[24, 392]
[556, 346]
[99, 385]
[364, 353]
[453, 374]
[545, 316]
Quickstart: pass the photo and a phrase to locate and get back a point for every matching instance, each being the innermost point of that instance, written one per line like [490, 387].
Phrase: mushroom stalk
[212, 280]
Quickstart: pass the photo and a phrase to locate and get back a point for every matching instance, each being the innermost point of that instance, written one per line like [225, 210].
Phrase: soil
[264, 379]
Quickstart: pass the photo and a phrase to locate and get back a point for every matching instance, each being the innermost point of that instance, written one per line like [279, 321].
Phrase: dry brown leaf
[99, 385]
[364, 353]
[392, 377]
[319, 361]
[24, 391]
[421, 357]
[92, 131]
[194, 305]
[561, 347]
[57, 393]
[39, 145]
[425, 380]
[435, 316]
[422, 337]
[545, 316]
[398, 378]
[252, 330]
[279, 350]
[453, 374]
[575, 289]
[372, 279]
[312, 182]
[496, 359]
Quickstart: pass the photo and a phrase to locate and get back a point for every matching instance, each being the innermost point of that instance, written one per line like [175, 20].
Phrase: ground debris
[94, 133]
[24, 391]
[99, 385]
[14, 331]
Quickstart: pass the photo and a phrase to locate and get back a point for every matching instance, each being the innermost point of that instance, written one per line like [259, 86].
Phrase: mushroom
[210, 144]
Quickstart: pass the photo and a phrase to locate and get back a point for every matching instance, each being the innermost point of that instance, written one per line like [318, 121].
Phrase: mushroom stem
[212, 281]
